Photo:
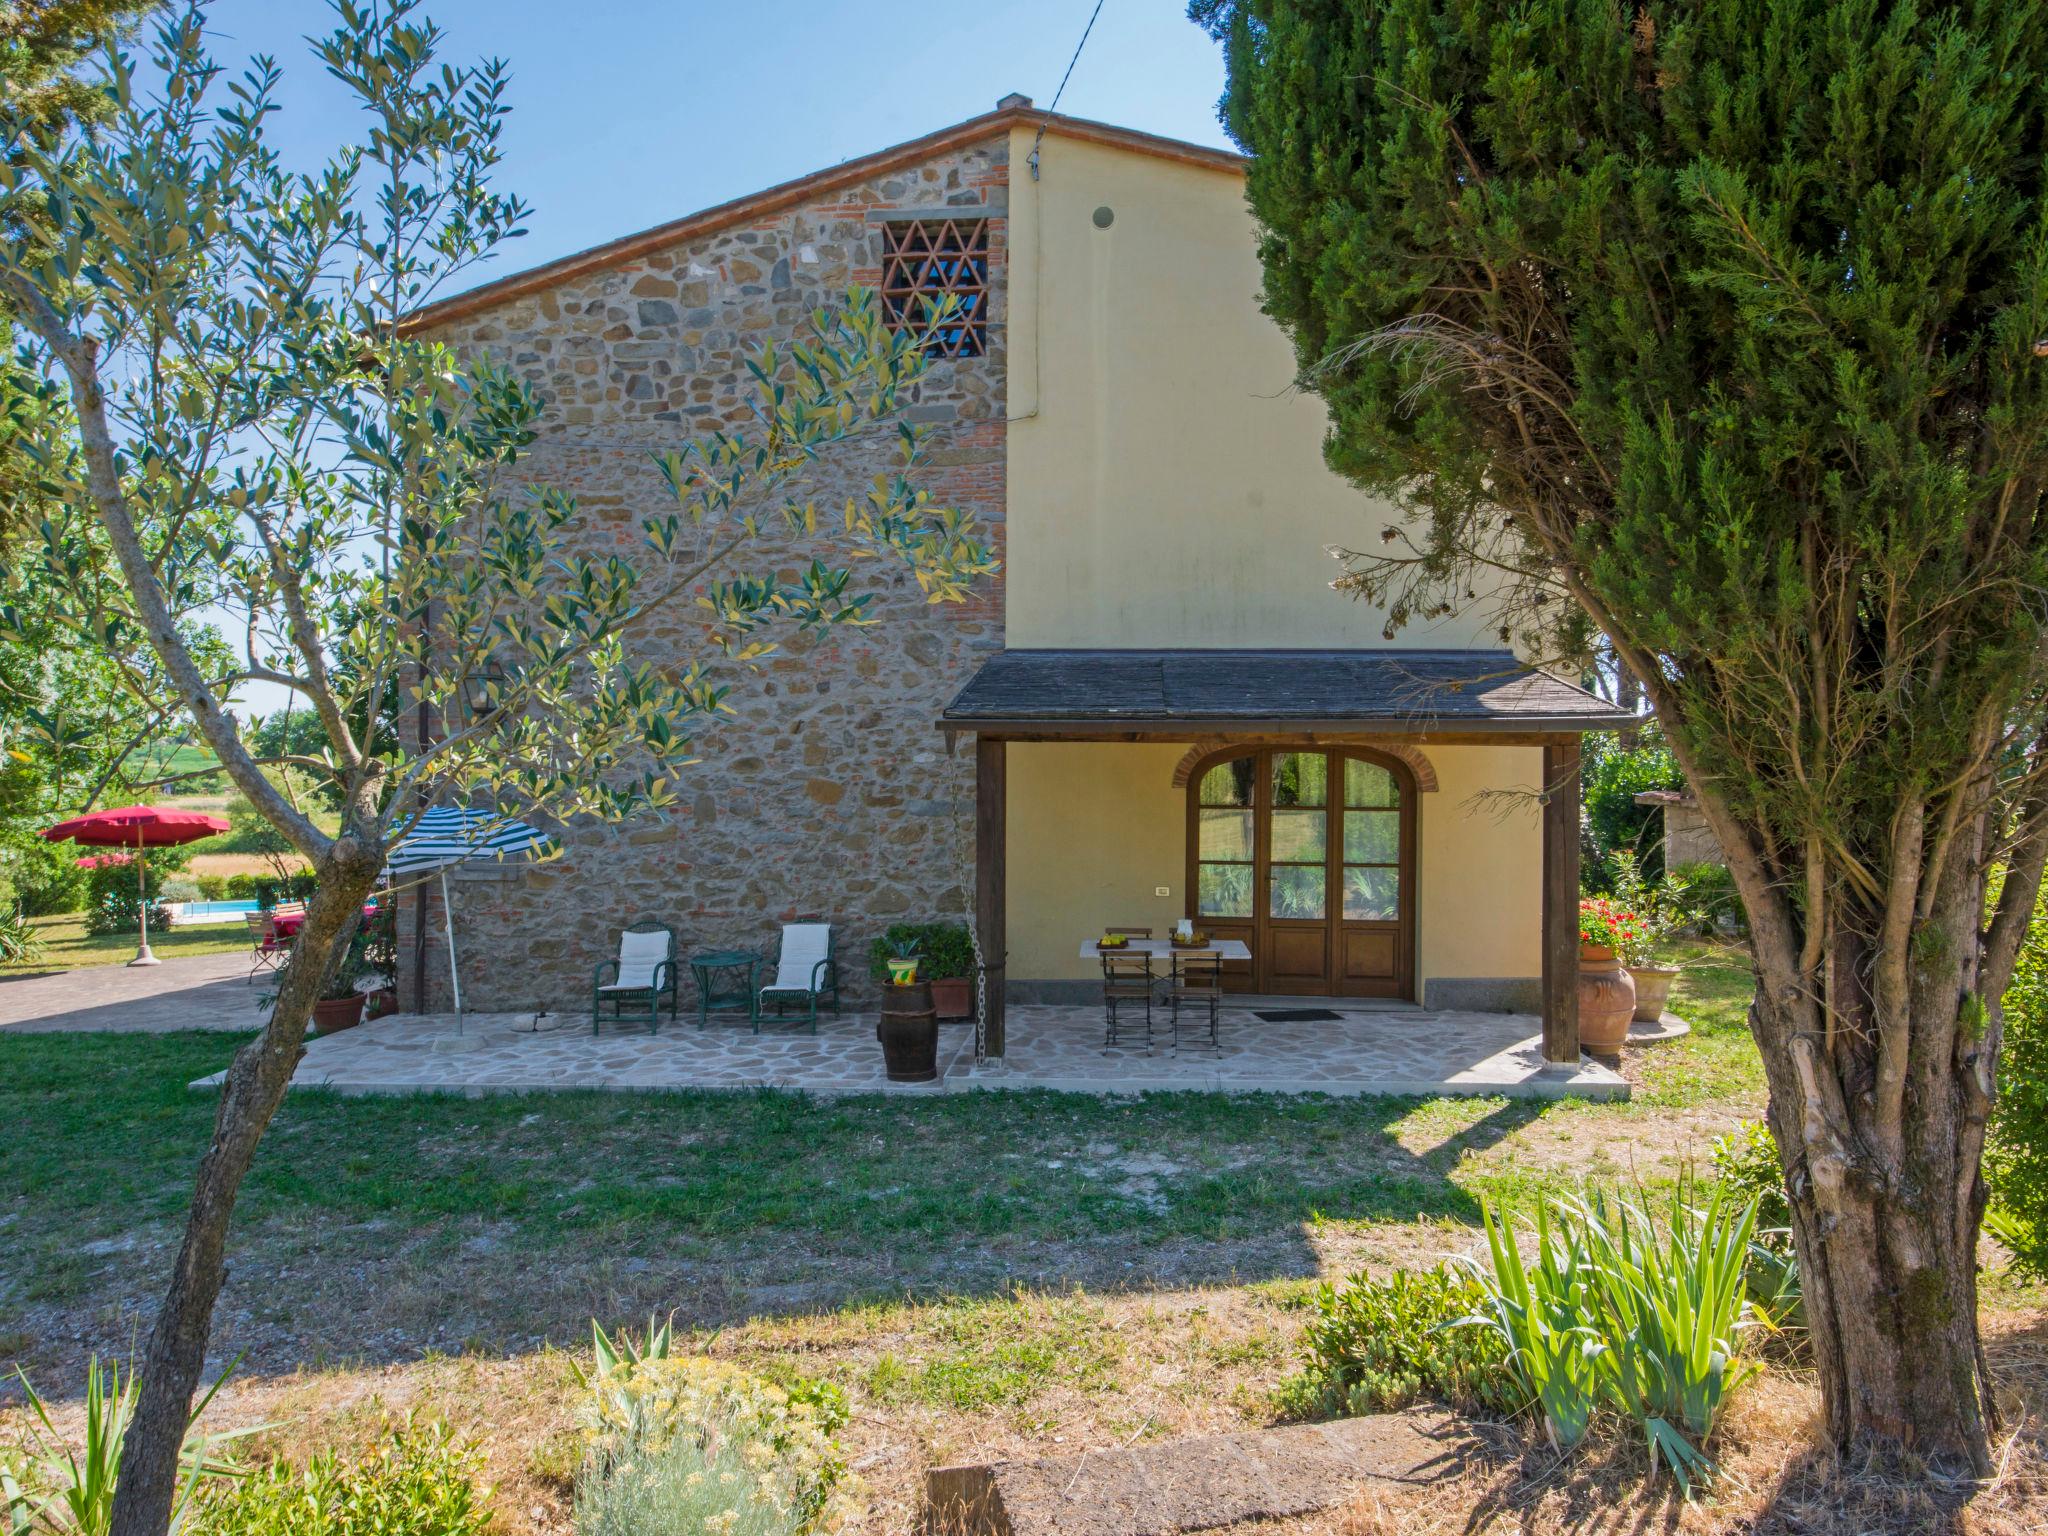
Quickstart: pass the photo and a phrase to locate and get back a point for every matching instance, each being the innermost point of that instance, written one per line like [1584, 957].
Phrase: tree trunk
[1886, 1188]
[256, 1084]
[1890, 1287]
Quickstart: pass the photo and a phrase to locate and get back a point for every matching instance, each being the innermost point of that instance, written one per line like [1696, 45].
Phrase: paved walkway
[1364, 1051]
[204, 992]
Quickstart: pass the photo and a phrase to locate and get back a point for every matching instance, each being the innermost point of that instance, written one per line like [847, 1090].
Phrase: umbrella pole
[142, 955]
[448, 927]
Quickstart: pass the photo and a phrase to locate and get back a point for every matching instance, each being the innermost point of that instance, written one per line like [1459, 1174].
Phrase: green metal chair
[805, 971]
[644, 969]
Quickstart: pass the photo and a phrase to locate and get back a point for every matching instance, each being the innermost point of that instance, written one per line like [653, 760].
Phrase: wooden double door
[1308, 856]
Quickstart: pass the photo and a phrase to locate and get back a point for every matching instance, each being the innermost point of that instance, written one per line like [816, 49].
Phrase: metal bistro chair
[266, 950]
[640, 975]
[1196, 989]
[1127, 986]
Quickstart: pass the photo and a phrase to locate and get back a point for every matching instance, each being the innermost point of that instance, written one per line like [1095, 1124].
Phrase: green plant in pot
[342, 1000]
[902, 962]
[1664, 909]
[945, 954]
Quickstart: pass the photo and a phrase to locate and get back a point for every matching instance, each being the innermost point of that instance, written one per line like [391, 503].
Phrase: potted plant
[1664, 909]
[944, 953]
[1607, 994]
[341, 1001]
[380, 958]
[901, 962]
[949, 966]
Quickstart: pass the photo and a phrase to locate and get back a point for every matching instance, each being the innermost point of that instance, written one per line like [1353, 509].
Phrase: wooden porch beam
[991, 812]
[1561, 902]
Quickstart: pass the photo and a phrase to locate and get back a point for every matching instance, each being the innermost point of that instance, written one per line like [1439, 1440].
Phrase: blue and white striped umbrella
[453, 835]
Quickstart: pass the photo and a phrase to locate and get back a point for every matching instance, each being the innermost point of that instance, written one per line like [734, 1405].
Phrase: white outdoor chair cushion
[639, 954]
[803, 946]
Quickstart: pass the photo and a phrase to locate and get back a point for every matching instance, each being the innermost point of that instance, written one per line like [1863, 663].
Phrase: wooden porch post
[990, 816]
[1561, 902]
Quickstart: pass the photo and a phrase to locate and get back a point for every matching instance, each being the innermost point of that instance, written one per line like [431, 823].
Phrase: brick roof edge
[786, 194]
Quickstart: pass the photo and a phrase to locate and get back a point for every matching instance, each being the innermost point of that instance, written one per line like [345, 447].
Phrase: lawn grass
[530, 1208]
[67, 946]
[985, 1274]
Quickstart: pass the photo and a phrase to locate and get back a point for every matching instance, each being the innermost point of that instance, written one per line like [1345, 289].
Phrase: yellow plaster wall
[1481, 908]
[1095, 827]
[1166, 486]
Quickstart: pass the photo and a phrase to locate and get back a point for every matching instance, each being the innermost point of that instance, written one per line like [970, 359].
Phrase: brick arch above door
[1413, 757]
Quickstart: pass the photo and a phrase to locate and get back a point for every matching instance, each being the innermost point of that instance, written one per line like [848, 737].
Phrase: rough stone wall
[827, 793]
[1687, 837]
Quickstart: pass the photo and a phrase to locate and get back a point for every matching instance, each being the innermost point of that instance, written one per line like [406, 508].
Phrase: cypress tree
[1721, 328]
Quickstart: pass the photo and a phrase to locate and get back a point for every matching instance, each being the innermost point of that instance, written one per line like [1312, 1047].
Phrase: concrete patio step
[1197, 1484]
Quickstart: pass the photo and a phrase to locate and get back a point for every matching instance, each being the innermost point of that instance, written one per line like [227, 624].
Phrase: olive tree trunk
[256, 1082]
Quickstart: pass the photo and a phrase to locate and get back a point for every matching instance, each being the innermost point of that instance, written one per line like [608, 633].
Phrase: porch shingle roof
[1391, 689]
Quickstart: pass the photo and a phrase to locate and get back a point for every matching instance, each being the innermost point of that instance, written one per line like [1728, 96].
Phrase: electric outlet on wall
[1163, 890]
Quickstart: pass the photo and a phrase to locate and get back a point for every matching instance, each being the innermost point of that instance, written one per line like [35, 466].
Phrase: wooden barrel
[909, 1032]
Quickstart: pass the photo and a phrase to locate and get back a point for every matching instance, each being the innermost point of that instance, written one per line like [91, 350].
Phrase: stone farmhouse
[1160, 709]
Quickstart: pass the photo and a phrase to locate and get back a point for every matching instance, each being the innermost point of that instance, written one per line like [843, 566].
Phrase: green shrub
[20, 940]
[2016, 1157]
[1377, 1345]
[946, 949]
[55, 1488]
[179, 890]
[1613, 777]
[1746, 1168]
[268, 890]
[111, 900]
[1621, 1310]
[46, 878]
[211, 887]
[419, 1481]
[690, 1486]
[653, 1418]
[1746, 1165]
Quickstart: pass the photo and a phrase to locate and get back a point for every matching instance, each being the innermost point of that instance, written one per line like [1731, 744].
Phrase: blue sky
[632, 112]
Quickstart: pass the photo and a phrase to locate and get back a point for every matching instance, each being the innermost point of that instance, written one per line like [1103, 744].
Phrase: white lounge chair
[644, 970]
[804, 972]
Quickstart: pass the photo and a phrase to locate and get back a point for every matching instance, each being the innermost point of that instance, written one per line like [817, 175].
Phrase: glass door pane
[1372, 843]
[1226, 839]
[1296, 891]
[1298, 850]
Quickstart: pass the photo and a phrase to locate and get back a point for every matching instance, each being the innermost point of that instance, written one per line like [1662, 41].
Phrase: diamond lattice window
[928, 261]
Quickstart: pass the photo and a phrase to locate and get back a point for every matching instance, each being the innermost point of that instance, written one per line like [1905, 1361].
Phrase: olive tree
[1722, 331]
[259, 433]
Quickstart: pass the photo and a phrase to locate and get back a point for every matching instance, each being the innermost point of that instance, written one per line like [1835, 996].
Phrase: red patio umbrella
[138, 827]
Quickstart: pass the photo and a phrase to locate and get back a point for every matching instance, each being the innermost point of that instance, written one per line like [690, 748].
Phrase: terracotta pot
[1653, 990]
[331, 1015]
[381, 1002]
[953, 996]
[1607, 1001]
[909, 1032]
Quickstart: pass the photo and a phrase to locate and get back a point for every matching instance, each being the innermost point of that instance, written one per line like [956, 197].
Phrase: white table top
[1229, 949]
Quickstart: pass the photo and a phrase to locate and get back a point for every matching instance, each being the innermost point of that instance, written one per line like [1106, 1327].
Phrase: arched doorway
[1308, 856]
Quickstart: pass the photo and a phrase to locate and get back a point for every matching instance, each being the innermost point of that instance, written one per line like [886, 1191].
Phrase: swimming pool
[181, 913]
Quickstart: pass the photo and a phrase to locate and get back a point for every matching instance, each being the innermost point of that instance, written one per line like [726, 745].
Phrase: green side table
[725, 978]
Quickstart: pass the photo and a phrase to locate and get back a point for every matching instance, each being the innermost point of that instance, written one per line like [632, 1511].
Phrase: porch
[1397, 825]
[1349, 1049]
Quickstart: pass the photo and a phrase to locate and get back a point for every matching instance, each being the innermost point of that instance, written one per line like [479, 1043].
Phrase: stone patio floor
[1367, 1050]
[193, 992]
